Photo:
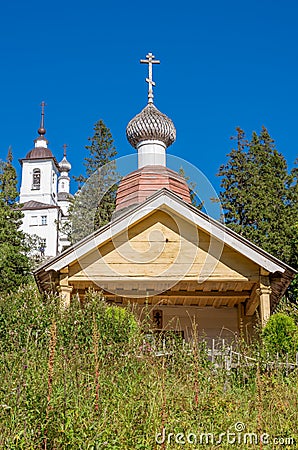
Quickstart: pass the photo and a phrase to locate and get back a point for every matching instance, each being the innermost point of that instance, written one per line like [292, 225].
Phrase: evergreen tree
[293, 206]
[94, 204]
[195, 201]
[14, 263]
[256, 196]
[101, 149]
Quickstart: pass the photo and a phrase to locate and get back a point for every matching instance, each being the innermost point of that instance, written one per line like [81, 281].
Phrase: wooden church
[161, 253]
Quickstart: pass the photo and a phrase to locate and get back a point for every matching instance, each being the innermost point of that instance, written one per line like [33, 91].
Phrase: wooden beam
[64, 288]
[185, 294]
[217, 303]
[253, 302]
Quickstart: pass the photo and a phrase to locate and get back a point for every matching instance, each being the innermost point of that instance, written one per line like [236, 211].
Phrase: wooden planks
[161, 246]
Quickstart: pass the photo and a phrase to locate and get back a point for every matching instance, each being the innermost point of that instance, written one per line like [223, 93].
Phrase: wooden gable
[163, 246]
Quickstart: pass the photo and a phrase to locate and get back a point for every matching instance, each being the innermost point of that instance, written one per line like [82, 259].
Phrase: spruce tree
[255, 194]
[14, 263]
[195, 201]
[293, 207]
[94, 204]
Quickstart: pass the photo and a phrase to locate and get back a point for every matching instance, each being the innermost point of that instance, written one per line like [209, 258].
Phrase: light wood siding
[212, 323]
[163, 246]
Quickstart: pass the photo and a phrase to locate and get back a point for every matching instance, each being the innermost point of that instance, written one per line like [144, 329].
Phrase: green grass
[78, 380]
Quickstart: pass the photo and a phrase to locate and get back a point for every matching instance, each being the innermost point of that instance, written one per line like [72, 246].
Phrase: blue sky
[223, 64]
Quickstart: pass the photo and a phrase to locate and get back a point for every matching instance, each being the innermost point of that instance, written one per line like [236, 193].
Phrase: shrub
[114, 324]
[26, 317]
[280, 335]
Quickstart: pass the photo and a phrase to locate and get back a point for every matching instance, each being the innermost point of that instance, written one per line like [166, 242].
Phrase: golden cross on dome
[150, 60]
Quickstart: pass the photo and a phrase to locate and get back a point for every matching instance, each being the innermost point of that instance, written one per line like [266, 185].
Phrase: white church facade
[45, 195]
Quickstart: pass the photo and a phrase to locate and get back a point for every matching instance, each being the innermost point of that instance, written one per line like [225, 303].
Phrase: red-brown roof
[39, 152]
[137, 186]
[36, 205]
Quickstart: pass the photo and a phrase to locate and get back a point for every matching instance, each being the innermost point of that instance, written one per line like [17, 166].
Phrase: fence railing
[224, 355]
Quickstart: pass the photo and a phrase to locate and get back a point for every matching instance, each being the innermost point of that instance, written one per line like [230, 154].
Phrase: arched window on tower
[36, 179]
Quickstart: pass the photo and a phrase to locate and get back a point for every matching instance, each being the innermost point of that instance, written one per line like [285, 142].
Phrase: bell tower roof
[41, 150]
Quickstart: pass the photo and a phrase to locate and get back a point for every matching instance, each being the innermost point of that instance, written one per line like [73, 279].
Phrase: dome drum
[137, 186]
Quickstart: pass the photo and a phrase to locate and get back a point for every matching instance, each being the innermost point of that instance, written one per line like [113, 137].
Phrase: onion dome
[150, 124]
[64, 165]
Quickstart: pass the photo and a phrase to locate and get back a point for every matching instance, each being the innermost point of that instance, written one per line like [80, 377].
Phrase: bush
[280, 335]
[113, 324]
[78, 379]
[288, 306]
[26, 317]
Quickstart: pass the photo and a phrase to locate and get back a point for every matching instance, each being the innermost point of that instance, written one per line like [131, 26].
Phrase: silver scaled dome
[150, 124]
[64, 165]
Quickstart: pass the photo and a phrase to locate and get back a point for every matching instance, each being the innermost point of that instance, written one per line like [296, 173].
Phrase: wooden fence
[223, 355]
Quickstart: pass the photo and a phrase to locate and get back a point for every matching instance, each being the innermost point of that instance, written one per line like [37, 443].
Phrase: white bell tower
[40, 171]
[39, 196]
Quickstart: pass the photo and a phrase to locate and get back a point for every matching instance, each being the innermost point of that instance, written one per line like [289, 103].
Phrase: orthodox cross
[157, 318]
[42, 130]
[150, 60]
[64, 149]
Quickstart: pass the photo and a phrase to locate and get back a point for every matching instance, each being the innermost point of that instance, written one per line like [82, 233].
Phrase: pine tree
[94, 204]
[256, 196]
[14, 263]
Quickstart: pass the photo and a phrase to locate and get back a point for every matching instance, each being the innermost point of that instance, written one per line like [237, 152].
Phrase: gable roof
[168, 201]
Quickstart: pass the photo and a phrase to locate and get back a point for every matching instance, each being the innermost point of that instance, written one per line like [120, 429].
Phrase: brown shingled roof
[39, 152]
[37, 205]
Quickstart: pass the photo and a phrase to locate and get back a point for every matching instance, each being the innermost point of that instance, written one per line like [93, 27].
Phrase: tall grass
[79, 379]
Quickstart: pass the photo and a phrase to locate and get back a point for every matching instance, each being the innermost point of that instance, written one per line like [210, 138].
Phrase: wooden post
[64, 289]
[240, 311]
[264, 292]
[65, 294]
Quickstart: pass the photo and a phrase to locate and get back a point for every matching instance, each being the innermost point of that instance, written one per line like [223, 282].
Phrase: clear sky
[223, 64]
